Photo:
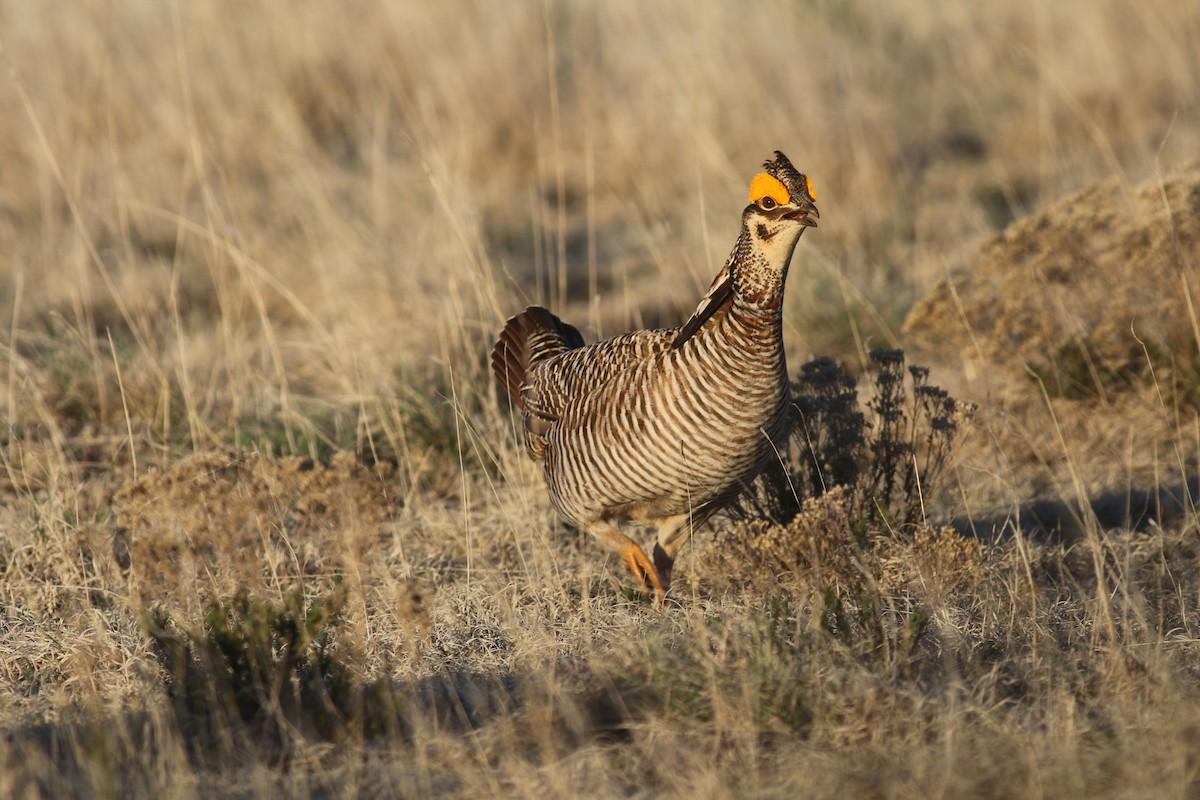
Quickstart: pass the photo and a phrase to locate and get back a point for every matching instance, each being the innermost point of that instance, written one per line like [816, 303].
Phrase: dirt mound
[221, 521]
[1088, 293]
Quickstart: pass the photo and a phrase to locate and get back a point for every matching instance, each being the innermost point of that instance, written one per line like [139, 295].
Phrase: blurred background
[317, 212]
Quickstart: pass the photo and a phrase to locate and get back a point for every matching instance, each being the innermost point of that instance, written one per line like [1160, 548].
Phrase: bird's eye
[767, 202]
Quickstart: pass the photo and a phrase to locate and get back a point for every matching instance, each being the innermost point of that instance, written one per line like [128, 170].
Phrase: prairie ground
[267, 529]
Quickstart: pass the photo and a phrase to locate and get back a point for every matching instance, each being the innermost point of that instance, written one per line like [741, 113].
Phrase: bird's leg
[637, 562]
[672, 533]
[664, 562]
[635, 558]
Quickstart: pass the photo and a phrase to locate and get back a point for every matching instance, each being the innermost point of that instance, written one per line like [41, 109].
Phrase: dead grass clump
[941, 559]
[1090, 294]
[827, 547]
[821, 540]
[219, 521]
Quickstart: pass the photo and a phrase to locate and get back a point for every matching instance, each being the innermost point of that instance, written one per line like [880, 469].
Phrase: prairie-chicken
[665, 426]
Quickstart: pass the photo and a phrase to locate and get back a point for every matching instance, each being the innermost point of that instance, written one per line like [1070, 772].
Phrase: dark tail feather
[528, 338]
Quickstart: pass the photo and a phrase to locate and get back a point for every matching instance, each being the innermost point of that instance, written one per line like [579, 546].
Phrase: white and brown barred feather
[666, 424]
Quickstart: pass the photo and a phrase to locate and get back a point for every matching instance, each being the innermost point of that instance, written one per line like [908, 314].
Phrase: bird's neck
[758, 283]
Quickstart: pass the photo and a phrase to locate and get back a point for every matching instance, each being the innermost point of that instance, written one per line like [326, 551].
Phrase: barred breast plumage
[665, 426]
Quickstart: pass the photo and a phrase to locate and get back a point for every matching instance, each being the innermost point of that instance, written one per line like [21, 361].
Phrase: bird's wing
[717, 295]
[561, 386]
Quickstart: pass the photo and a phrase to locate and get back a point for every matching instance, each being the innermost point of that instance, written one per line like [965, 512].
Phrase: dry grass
[251, 260]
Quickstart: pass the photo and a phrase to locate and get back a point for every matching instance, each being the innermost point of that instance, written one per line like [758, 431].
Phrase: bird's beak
[805, 214]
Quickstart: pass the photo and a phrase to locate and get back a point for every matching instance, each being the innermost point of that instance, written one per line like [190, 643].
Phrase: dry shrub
[218, 521]
[267, 671]
[1089, 294]
[890, 456]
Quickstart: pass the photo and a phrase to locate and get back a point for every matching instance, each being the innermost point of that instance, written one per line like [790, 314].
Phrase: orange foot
[643, 569]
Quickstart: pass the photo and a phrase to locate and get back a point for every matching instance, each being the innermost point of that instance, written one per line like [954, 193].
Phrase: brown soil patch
[1089, 293]
[219, 521]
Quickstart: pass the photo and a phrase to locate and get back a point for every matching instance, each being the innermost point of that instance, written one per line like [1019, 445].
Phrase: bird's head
[782, 205]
